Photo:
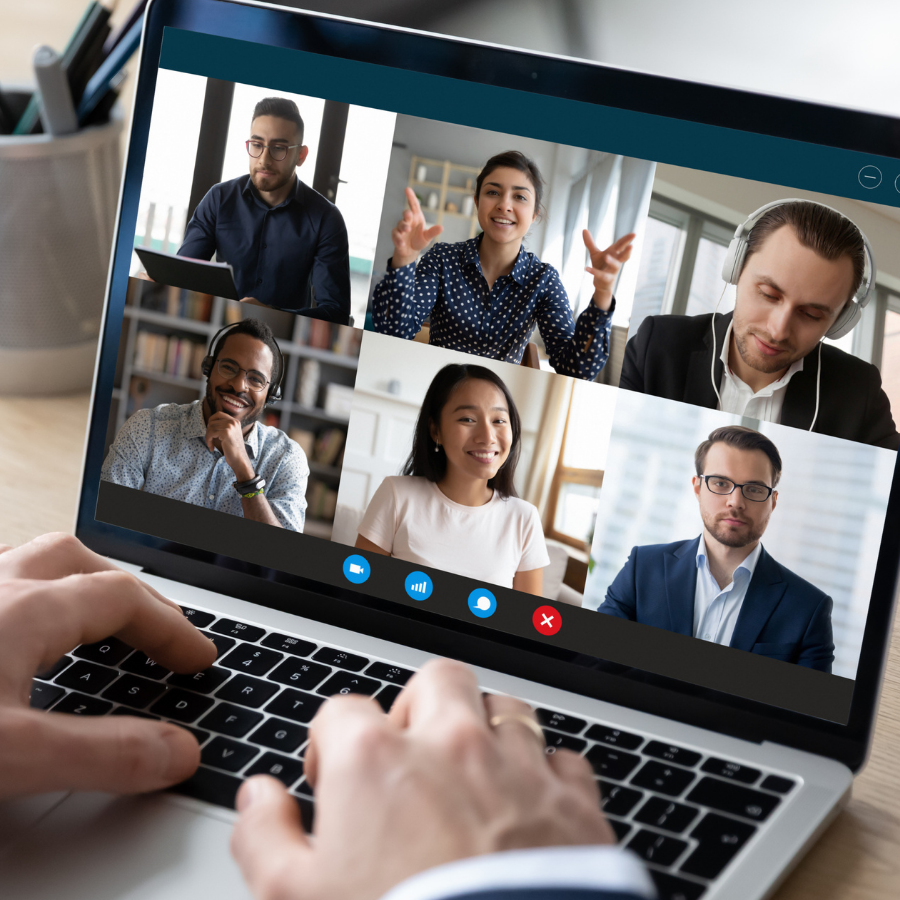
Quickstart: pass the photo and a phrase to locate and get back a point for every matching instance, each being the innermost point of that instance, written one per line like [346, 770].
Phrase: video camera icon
[482, 603]
[357, 569]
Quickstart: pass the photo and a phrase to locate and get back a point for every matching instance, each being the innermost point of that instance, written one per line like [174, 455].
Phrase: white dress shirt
[597, 868]
[716, 609]
[738, 397]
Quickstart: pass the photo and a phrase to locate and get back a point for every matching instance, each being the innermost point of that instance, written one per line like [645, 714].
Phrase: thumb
[268, 839]
[432, 232]
[123, 754]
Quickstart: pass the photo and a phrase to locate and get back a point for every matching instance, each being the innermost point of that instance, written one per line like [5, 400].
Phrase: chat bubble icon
[483, 603]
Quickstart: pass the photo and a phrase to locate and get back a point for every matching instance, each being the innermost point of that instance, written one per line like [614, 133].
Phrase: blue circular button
[418, 585]
[482, 603]
[357, 569]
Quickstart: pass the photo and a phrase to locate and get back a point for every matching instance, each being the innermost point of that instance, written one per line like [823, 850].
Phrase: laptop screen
[616, 383]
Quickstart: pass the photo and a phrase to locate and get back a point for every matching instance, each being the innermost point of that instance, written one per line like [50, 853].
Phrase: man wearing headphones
[803, 272]
[214, 452]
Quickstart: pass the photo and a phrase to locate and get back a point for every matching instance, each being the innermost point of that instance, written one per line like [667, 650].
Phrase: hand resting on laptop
[54, 595]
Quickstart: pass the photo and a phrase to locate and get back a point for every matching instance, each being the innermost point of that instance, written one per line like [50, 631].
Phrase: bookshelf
[453, 184]
[165, 335]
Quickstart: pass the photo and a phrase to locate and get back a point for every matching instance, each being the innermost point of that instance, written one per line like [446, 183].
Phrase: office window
[890, 351]
[582, 458]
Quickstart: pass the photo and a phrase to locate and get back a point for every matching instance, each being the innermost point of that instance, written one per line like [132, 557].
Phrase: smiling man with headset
[803, 272]
[214, 452]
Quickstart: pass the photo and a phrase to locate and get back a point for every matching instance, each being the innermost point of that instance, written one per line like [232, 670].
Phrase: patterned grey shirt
[163, 451]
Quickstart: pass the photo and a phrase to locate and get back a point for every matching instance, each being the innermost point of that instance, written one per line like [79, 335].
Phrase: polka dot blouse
[448, 283]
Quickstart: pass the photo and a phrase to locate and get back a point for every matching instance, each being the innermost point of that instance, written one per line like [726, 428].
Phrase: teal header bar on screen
[726, 151]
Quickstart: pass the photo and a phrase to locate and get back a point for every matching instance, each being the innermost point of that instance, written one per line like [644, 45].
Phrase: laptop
[723, 746]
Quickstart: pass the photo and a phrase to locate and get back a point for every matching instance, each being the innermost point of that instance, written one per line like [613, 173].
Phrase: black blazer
[670, 357]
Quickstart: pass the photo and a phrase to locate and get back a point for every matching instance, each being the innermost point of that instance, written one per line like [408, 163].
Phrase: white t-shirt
[410, 517]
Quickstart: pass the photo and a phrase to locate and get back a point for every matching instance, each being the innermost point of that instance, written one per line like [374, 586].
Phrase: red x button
[546, 620]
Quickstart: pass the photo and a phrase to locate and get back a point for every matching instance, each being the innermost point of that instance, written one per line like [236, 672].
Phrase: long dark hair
[433, 466]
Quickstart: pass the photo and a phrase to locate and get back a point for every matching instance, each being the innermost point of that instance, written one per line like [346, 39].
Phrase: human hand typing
[430, 783]
[54, 595]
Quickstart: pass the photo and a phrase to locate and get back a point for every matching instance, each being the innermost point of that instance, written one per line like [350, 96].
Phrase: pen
[84, 57]
[57, 108]
[112, 41]
[7, 119]
[102, 79]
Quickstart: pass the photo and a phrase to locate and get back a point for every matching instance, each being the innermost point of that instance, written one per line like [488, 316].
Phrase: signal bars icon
[418, 586]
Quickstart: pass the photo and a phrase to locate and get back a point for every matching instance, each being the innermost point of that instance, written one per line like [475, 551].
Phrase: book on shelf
[321, 500]
[169, 354]
[328, 446]
[307, 392]
[177, 302]
[321, 335]
[306, 440]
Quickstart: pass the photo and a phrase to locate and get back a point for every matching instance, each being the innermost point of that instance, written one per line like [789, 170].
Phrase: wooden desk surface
[41, 443]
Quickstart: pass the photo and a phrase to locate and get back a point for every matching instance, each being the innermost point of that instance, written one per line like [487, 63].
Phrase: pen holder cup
[58, 199]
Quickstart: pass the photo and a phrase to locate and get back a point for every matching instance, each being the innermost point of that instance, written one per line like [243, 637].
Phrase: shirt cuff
[594, 868]
[595, 317]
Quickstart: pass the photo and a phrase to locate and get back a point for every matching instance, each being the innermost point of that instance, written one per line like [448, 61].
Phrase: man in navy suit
[723, 586]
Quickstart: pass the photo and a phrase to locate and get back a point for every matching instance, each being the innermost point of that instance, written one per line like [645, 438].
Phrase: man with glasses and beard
[286, 243]
[215, 452]
[723, 586]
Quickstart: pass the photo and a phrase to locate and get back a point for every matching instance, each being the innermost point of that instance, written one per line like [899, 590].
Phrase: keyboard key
[138, 714]
[672, 754]
[556, 741]
[778, 784]
[387, 672]
[240, 630]
[224, 753]
[182, 706]
[617, 800]
[666, 814]
[720, 839]
[307, 813]
[279, 735]
[247, 691]
[731, 798]
[231, 720]
[304, 788]
[300, 673]
[252, 660]
[43, 696]
[656, 848]
[201, 736]
[282, 767]
[204, 682]
[197, 617]
[81, 705]
[663, 779]
[214, 787]
[296, 705]
[87, 677]
[622, 829]
[731, 770]
[287, 644]
[560, 721]
[668, 887]
[611, 762]
[54, 670]
[614, 737]
[341, 659]
[140, 664]
[132, 690]
[348, 683]
[110, 651]
[387, 695]
[223, 644]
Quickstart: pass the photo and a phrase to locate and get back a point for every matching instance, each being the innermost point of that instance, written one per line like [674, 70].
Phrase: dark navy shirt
[448, 282]
[278, 252]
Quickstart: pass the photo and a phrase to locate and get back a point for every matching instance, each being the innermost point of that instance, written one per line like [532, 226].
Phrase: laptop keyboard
[686, 814]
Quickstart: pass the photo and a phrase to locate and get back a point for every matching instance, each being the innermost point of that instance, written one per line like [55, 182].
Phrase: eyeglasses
[752, 491]
[229, 369]
[277, 151]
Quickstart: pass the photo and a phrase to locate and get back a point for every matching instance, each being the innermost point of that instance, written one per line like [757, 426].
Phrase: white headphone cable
[712, 365]
[818, 385]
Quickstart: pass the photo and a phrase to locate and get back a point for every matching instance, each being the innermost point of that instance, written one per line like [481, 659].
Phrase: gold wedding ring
[527, 721]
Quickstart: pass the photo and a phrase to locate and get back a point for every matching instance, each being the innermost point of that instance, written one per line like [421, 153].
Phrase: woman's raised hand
[410, 236]
[605, 266]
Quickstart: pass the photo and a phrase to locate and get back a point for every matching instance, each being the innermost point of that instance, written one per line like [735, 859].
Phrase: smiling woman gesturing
[486, 295]
[455, 505]
[215, 452]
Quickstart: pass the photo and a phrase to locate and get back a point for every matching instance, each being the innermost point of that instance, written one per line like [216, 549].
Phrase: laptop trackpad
[101, 847]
